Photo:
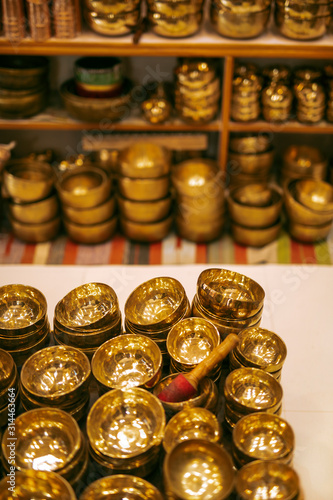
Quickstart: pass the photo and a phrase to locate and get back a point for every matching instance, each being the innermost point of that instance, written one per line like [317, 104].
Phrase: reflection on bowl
[38, 484]
[121, 486]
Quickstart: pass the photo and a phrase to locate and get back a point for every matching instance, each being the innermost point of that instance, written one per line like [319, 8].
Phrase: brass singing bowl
[253, 195]
[276, 114]
[22, 72]
[111, 7]
[35, 212]
[242, 25]
[121, 485]
[250, 389]
[175, 9]
[317, 195]
[191, 423]
[91, 234]
[197, 467]
[146, 231]
[27, 181]
[259, 475]
[7, 370]
[113, 24]
[196, 177]
[301, 214]
[38, 484]
[196, 209]
[144, 211]
[23, 309]
[125, 423]
[91, 215]
[36, 233]
[249, 143]
[301, 28]
[308, 234]
[199, 115]
[175, 26]
[88, 306]
[261, 348]
[277, 96]
[296, 8]
[304, 159]
[22, 103]
[138, 189]
[144, 160]
[251, 163]
[211, 89]
[127, 361]
[46, 439]
[200, 231]
[18, 341]
[195, 73]
[244, 7]
[156, 303]
[56, 375]
[229, 293]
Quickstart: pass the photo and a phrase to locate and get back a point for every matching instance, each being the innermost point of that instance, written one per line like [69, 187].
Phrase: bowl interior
[80, 183]
[120, 486]
[315, 194]
[21, 307]
[254, 195]
[261, 348]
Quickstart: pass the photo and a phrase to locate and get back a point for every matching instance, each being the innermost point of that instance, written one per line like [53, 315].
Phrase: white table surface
[298, 306]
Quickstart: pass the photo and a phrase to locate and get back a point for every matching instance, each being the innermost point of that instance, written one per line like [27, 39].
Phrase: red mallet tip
[178, 390]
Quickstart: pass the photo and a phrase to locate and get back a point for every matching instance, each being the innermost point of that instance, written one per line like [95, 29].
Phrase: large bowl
[27, 181]
[35, 212]
[144, 211]
[144, 160]
[22, 72]
[238, 25]
[121, 486]
[146, 231]
[124, 424]
[22, 103]
[127, 361]
[37, 484]
[138, 189]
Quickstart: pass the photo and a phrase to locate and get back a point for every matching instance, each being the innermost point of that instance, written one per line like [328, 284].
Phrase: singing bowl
[36, 212]
[92, 215]
[191, 423]
[195, 468]
[111, 7]
[22, 72]
[7, 370]
[36, 233]
[175, 9]
[125, 423]
[195, 73]
[314, 194]
[175, 26]
[91, 234]
[300, 213]
[196, 177]
[301, 28]
[144, 160]
[27, 181]
[308, 234]
[113, 24]
[56, 374]
[304, 159]
[127, 361]
[203, 232]
[22, 103]
[146, 231]
[144, 211]
[46, 439]
[255, 236]
[249, 143]
[138, 189]
[238, 25]
[261, 348]
[156, 303]
[38, 484]
[243, 6]
[88, 306]
[121, 486]
[229, 293]
[251, 163]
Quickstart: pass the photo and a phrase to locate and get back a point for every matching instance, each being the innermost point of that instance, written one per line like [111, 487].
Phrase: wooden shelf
[293, 126]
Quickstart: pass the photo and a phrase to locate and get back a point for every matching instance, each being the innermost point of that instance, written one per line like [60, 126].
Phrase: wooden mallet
[185, 385]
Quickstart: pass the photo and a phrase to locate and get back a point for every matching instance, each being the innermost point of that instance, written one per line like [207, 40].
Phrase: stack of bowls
[61, 445]
[246, 91]
[154, 307]
[57, 377]
[23, 85]
[255, 213]
[31, 200]
[88, 204]
[240, 20]
[197, 90]
[86, 317]
[144, 197]
[129, 360]
[259, 348]
[310, 102]
[9, 388]
[200, 199]
[302, 20]
[125, 429]
[250, 159]
[230, 300]
[309, 207]
[277, 73]
[262, 436]
[300, 161]
[98, 76]
[189, 342]
[113, 18]
[250, 390]
[328, 71]
[175, 19]
[121, 486]
[24, 324]
[277, 100]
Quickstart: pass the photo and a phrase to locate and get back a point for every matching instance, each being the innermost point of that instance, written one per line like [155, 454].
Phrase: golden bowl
[203, 232]
[114, 7]
[22, 72]
[96, 109]
[251, 163]
[156, 303]
[238, 25]
[144, 211]
[249, 143]
[7, 370]
[204, 114]
[197, 467]
[36, 212]
[146, 231]
[191, 423]
[21, 354]
[125, 423]
[56, 375]
[156, 109]
[175, 26]
[113, 24]
[16, 341]
[27, 181]
[127, 361]
[88, 307]
[301, 28]
[253, 195]
[229, 293]
[276, 114]
[277, 96]
[195, 73]
[314, 194]
[261, 348]
[121, 485]
[296, 8]
[36, 233]
[304, 160]
[144, 160]
[255, 236]
[249, 390]
[308, 234]
[196, 177]
[211, 89]
[84, 187]
[262, 475]
[16, 104]
[191, 340]
[263, 436]
[301, 214]
[243, 6]
[91, 234]
[57, 434]
[92, 215]
[197, 209]
[240, 114]
[175, 9]
[36, 483]
[149, 189]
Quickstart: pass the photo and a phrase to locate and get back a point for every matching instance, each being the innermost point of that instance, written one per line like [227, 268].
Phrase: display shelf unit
[207, 44]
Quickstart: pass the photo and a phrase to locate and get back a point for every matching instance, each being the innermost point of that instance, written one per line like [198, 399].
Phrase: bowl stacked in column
[300, 161]
[144, 196]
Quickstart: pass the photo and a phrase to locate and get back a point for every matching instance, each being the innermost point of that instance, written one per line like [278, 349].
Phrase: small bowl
[300, 213]
[229, 293]
[259, 476]
[91, 234]
[238, 25]
[56, 375]
[249, 143]
[196, 177]
[314, 194]
[36, 483]
[195, 73]
[95, 72]
[191, 423]
[250, 163]
[144, 160]
[308, 234]
[127, 361]
[144, 211]
[138, 189]
[253, 195]
[113, 24]
[124, 424]
[28, 181]
[84, 187]
[36, 212]
[175, 26]
[304, 160]
[92, 215]
[146, 231]
[200, 466]
[255, 236]
[36, 233]
[121, 485]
